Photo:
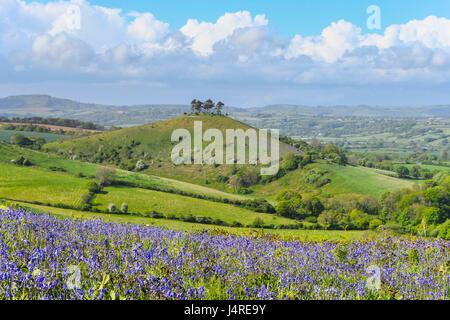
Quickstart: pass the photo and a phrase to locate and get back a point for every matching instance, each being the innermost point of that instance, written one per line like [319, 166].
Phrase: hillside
[152, 144]
[342, 180]
[54, 163]
[108, 115]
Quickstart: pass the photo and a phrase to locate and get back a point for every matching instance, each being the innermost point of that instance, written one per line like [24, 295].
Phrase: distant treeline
[70, 123]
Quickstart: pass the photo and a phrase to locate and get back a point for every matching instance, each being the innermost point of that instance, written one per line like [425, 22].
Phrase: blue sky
[246, 52]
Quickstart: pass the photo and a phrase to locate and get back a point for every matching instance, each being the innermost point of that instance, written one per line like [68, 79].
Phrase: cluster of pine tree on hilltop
[207, 106]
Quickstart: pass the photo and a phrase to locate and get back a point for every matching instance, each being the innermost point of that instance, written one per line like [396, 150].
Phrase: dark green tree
[219, 107]
[208, 105]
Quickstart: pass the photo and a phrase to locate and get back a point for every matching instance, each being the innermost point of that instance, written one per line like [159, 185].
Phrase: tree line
[70, 123]
[207, 106]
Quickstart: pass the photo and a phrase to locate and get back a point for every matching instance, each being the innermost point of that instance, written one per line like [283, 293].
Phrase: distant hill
[152, 144]
[354, 111]
[109, 115]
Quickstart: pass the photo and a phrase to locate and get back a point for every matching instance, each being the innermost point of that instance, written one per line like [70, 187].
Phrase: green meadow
[5, 135]
[145, 201]
[34, 184]
[85, 169]
[302, 235]
[343, 179]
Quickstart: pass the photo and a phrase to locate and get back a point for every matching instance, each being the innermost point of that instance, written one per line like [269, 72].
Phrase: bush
[112, 208]
[189, 218]
[444, 230]
[155, 215]
[317, 178]
[402, 171]
[329, 219]
[93, 187]
[291, 162]
[22, 161]
[258, 223]
[375, 223]
[124, 208]
[140, 165]
[105, 176]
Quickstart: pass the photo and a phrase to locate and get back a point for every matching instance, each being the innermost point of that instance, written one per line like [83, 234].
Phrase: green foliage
[293, 205]
[416, 209]
[402, 171]
[141, 165]
[375, 223]
[291, 162]
[124, 208]
[317, 178]
[174, 206]
[112, 208]
[330, 219]
[22, 161]
[105, 176]
[444, 230]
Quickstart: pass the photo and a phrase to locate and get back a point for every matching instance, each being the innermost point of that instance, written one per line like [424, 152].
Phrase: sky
[246, 53]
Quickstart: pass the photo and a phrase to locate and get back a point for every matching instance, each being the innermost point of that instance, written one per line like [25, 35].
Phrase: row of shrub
[257, 223]
[257, 205]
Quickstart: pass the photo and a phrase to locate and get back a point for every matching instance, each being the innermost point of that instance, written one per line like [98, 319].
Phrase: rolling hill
[152, 144]
[115, 115]
[108, 115]
[342, 180]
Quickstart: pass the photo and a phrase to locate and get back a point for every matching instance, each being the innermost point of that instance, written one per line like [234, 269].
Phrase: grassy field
[34, 184]
[144, 201]
[31, 184]
[431, 167]
[362, 180]
[9, 152]
[302, 235]
[344, 179]
[5, 135]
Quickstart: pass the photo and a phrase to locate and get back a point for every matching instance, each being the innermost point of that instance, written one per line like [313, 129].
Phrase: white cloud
[204, 35]
[145, 28]
[62, 51]
[336, 40]
[239, 47]
[431, 32]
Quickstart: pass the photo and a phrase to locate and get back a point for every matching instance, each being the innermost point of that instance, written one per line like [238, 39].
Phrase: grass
[5, 135]
[344, 179]
[74, 167]
[301, 235]
[152, 143]
[431, 167]
[144, 201]
[35, 184]
[362, 180]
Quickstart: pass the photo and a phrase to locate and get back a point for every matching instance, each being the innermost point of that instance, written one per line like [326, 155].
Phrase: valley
[128, 173]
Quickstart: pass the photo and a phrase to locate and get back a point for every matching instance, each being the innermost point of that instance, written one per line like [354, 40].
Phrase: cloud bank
[47, 43]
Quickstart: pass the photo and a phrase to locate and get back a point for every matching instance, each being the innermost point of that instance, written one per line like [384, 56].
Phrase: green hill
[152, 144]
[36, 185]
[336, 180]
[54, 163]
